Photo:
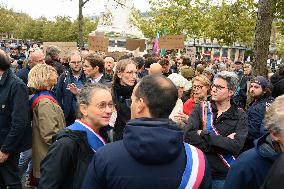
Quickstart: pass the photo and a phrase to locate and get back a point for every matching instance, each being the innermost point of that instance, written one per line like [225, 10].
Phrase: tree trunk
[266, 9]
[81, 4]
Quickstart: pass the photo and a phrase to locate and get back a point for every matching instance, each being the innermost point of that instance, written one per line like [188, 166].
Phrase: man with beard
[68, 86]
[260, 91]
[109, 64]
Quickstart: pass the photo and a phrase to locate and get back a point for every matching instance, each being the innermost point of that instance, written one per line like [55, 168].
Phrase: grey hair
[52, 51]
[86, 94]
[230, 77]
[221, 67]
[274, 116]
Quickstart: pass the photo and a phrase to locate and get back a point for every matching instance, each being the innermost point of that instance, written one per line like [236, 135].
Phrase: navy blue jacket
[15, 130]
[255, 119]
[65, 97]
[150, 155]
[23, 74]
[252, 166]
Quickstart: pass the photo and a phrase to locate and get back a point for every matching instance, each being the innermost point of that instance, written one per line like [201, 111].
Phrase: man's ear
[141, 105]
[83, 109]
[274, 136]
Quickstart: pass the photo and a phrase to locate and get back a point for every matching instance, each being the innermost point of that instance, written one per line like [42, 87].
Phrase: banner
[116, 55]
[191, 53]
[133, 44]
[171, 42]
[65, 47]
[98, 43]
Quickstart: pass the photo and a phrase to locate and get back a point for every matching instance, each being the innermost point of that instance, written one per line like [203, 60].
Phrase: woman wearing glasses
[124, 80]
[218, 127]
[68, 158]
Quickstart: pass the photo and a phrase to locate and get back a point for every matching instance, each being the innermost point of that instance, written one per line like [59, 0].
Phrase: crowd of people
[90, 121]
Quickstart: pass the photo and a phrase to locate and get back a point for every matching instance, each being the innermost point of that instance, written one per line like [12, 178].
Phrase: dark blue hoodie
[151, 155]
[252, 166]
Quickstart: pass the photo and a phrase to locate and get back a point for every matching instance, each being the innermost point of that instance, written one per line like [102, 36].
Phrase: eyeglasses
[197, 87]
[218, 87]
[131, 72]
[74, 62]
[103, 105]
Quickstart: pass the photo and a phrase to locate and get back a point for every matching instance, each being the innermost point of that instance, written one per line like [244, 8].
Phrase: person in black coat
[251, 167]
[15, 130]
[277, 81]
[123, 84]
[152, 153]
[218, 127]
[67, 160]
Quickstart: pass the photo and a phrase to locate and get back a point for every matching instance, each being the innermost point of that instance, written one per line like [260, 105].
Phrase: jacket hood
[265, 147]
[78, 136]
[153, 141]
[276, 78]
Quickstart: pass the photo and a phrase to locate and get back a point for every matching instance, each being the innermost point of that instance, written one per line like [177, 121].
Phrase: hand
[3, 157]
[73, 88]
[232, 136]
[182, 117]
[199, 132]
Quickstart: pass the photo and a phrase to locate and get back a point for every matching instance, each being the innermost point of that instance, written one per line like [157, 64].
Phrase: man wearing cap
[260, 91]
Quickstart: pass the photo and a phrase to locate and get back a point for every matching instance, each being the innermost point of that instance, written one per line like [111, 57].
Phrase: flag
[156, 45]
[163, 51]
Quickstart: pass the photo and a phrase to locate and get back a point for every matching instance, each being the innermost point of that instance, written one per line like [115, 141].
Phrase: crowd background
[220, 107]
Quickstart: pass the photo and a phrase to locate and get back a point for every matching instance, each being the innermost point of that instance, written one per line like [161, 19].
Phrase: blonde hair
[39, 76]
[120, 67]
[274, 117]
[202, 79]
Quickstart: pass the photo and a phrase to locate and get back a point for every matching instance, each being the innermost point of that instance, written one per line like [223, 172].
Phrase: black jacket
[278, 85]
[252, 166]
[66, 162]
[15, 129]
[231, 121]
[275, 176]
[151, 155]
[121, 97]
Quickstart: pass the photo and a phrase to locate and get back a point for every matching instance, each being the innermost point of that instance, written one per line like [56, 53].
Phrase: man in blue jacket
[152, 153]
[74, 77]
[14, 124]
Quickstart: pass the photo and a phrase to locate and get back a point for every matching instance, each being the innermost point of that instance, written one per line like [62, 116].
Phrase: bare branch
[84, 2]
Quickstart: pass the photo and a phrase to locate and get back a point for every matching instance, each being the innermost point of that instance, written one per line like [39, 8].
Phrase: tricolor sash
[207, 118]
[95, 140]
[194, 169]
[41, 95]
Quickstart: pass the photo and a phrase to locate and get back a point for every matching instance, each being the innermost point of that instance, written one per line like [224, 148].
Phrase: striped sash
[194, 169]
[207, 118]
[41, 95]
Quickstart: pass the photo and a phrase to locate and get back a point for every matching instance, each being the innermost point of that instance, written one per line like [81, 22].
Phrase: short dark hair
[149, 61]
[139, 61]
[95, 60]
[149, 88]
[186, 62]
[164, 62]
[281, 70]
[4, 62]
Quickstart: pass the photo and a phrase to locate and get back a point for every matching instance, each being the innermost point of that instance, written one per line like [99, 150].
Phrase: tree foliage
[62, 28]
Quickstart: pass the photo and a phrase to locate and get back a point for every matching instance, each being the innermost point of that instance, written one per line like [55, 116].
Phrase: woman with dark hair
[124, 80]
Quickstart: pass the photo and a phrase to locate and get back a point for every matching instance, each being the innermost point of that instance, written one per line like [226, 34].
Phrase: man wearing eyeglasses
[218, 127]
[68, 85]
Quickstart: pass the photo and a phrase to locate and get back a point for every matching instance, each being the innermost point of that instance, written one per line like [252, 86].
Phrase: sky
[52, 8]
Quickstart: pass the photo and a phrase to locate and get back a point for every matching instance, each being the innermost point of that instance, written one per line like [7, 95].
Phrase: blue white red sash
[41, 95]
[95, 140]
[207, 114]
[194, 169]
